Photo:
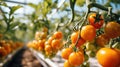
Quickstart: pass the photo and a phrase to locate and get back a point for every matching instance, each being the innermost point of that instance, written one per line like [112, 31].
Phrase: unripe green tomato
[90, 46]
[92, 54]
[86, 57]
[85, 64]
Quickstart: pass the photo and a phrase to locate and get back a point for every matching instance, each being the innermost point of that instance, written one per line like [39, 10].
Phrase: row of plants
[88, 34]
[8, 47]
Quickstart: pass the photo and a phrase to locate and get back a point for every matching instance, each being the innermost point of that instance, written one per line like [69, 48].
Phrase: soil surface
[23, 58]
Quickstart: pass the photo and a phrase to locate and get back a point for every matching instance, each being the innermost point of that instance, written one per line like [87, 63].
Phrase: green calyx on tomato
[96, 20]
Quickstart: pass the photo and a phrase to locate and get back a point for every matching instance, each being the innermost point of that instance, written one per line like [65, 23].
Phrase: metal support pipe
[15, 2]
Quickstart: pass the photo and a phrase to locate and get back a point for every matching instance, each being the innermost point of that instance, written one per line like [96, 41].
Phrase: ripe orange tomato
[41, 44]
[97, 23]
[56, 43]
[88, 32]
[108, 57]
[102, 40]
[76, 58]
[112, 29]
[118, 50]
[3, 52]
[74, 38]
[43, 35]
[67, 64]
[81, 41]
[48, 48]
[35, 44]
[66, 52]
[50, 40]
[7, 48]
[58, 35]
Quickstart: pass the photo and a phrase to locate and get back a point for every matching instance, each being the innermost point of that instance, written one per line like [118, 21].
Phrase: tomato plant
[96, 20]
[74, 38]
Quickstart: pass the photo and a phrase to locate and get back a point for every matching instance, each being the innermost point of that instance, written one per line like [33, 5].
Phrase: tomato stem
[93, 4]
[75, 49]
[84, 18]
[67, 42]
[76, 27]
[72, 4]
[110, 43]
[57, 26]
[77, 38]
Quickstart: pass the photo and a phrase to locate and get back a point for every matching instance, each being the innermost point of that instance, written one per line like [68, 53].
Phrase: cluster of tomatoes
[73, 53]
[38, 43]
[87, 39]
[8, 47]
[48, 46]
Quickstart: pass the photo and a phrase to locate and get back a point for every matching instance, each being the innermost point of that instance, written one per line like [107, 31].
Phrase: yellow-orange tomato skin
[88, 32]
[66, 52]
[76, 58]
[108, 57]
[58, 35]
[67, 64]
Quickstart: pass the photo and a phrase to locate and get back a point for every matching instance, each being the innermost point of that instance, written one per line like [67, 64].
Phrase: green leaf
[13, 25]
[11, 19]
[80, 2]
[115, 1]
[23, 26]
[32, 5]
[45, 9]
[3, 4]
[108, 4]
[3, 14]
[14, 8]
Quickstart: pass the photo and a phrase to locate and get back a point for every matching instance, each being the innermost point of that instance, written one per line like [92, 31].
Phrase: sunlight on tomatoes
[88, 32]
[76, 58]
[67, 64]
[74, 37]
[66, 52]
[56, 43]
[48, 48]
[41, 44]
[108, 57]
[58, 35]
[50, 40]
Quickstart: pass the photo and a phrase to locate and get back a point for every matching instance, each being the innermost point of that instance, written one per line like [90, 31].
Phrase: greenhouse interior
[59, 33]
